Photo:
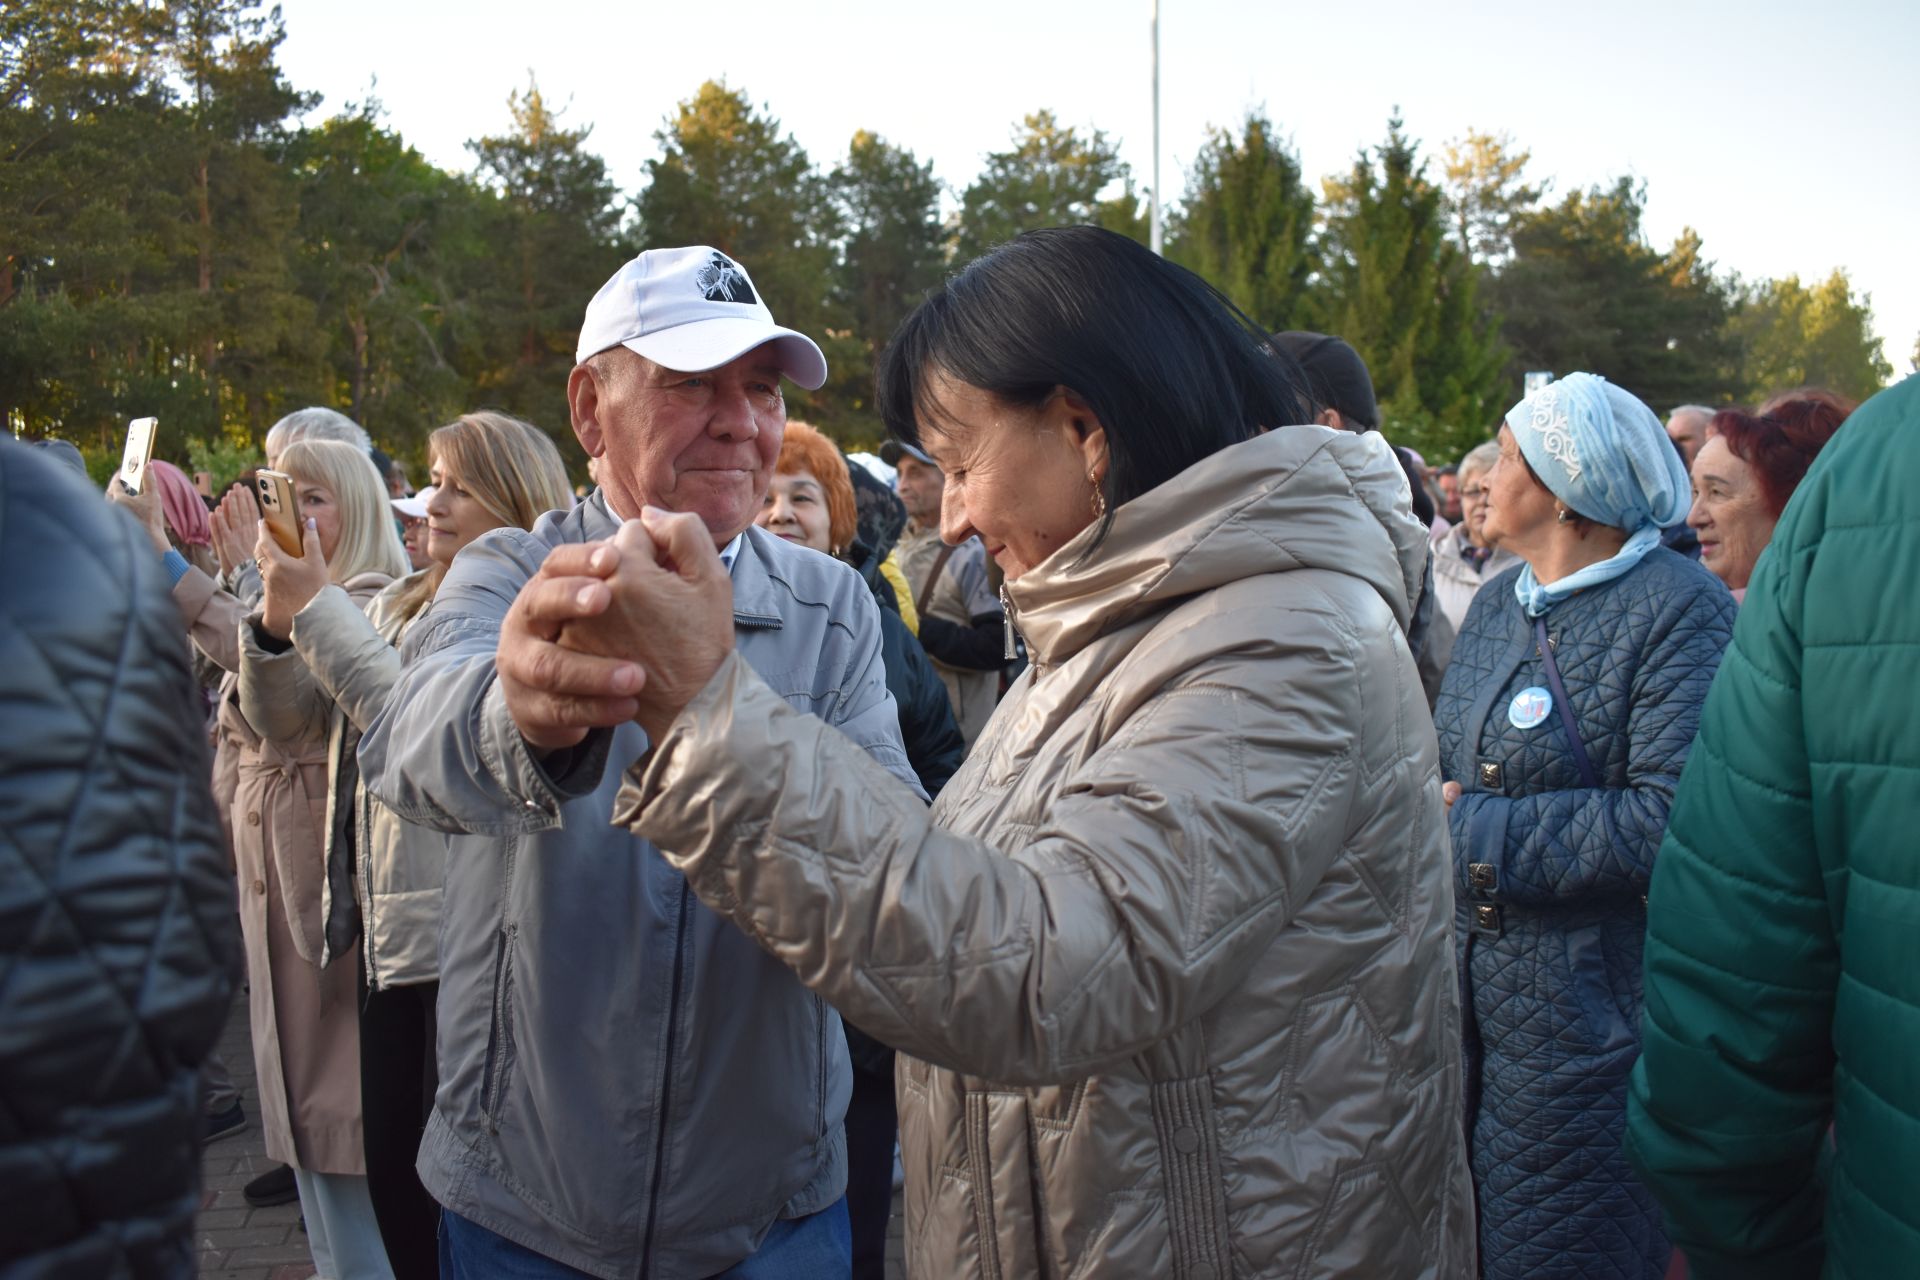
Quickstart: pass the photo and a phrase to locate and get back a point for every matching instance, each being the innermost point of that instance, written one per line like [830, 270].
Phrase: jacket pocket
[1606, 1027]
[1367, 1228]
[1189, 1142]
[500, 1055]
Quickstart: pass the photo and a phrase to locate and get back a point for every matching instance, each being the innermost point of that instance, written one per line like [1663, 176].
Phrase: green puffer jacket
[1783, 935]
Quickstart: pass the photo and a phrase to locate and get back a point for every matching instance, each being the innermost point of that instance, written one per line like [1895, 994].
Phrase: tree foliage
[1405, 296]
[1487, 193]
[1790, 336]
[1247, 225]
[1051, 176]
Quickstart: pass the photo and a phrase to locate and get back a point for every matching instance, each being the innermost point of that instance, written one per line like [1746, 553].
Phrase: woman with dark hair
[1746, 471]
[1169, 960]
[1565, 717]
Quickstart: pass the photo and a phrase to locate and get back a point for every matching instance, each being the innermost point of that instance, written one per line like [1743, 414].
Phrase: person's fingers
[581, 560]
[310, 542]
[686, 542]
[247, 502]
[636, 545]
[546, 604]
[542, 667]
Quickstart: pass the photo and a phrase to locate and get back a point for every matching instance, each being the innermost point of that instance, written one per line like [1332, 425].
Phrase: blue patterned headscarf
[1605, 455]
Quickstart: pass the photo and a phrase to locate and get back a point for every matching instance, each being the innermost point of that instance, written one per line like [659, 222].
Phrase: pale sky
[1788, 134]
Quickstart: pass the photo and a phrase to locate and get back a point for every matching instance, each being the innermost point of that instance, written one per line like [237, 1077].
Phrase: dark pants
[397, 1078]
[871, 1126]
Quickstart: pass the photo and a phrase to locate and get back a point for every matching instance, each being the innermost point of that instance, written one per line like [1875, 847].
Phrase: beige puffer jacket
[401, 873]
[1173, 955]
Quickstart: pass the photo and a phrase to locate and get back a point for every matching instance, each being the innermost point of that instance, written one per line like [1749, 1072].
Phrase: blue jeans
[816, 1247]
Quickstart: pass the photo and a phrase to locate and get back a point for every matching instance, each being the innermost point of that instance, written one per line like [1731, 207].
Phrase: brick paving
[238, 1242]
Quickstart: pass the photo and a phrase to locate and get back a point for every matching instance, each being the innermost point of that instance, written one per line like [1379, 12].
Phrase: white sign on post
[1536, 379]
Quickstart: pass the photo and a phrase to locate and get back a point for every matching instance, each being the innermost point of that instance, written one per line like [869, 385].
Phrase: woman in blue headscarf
[1564, 719]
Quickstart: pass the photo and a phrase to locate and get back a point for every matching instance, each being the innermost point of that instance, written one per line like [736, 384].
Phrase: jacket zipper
[666, 1085]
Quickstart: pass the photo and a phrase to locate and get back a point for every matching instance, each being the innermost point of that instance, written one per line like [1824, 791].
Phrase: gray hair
[1480, 458]
[316, 423]
[1691, 410]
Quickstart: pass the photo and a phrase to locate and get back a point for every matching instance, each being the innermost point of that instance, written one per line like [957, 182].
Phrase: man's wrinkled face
[921, 485]
[702, 442]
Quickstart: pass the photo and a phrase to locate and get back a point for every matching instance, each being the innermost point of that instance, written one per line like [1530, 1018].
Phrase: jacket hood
[1303, 497]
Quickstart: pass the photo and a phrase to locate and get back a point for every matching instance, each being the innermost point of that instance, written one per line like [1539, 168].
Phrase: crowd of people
[1142, 818]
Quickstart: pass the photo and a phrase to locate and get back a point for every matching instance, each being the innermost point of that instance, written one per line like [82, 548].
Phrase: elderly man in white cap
[628, 1086]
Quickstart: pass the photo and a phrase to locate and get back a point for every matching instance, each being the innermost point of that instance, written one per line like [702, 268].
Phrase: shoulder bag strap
[1579, 749]
[933, 579]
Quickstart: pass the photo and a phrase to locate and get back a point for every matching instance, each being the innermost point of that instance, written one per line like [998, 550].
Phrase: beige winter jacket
[1173, 952]
[402, 868]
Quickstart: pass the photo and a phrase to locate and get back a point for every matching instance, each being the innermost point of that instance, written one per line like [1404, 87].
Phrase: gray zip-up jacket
[628, 1084]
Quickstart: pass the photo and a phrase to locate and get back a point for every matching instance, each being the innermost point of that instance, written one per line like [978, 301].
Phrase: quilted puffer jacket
[1783, 950]
[1551, 879]
[1169, 961]
[117, 926]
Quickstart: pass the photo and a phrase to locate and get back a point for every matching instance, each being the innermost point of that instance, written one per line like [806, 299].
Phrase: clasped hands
[628, 628]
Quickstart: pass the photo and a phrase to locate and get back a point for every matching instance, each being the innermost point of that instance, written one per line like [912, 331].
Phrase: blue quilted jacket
[1551, 878]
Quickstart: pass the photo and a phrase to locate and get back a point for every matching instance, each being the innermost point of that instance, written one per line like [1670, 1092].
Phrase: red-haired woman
[1746, 471]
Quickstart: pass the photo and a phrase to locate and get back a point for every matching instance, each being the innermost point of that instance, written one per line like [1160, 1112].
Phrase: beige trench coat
[306, 1029]
[1170, 963]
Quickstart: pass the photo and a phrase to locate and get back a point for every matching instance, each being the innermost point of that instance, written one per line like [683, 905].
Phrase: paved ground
[238, 1242]
[242, 1243]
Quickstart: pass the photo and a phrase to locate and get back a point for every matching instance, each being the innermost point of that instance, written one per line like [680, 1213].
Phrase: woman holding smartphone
[296, 766]
[490, 471]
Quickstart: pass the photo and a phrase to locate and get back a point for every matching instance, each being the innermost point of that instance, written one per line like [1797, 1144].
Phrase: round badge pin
[1529, 707]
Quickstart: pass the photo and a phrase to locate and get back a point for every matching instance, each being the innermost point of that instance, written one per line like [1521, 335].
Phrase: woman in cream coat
[1169, 963]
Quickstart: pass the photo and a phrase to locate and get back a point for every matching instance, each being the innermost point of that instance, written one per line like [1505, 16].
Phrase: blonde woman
[294, 750]
[490, 471]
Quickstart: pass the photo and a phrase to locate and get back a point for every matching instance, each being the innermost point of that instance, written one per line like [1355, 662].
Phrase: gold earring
[1099, 498]
[1566, 516]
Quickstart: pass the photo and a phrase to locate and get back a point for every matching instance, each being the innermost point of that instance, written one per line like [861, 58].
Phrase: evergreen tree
[1052, 176]
[729, 178]
[1793, 336]
[1486, 193]
[1402, 293]
[1585, 291]
[555, 235]
[1247, 225]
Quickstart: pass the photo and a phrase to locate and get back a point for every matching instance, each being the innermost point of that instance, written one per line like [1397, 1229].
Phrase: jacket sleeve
[980, 645]
[339, 645]
[212, 616]
[1732, 1096]
[443, 752]
[933, 741]
[278, 695]
[1585, 842]
[1161, 870]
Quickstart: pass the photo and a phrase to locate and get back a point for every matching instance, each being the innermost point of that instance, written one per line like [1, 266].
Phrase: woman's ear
[1086, 431]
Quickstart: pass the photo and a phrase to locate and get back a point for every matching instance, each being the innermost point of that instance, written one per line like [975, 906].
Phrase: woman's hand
[289, 582]
[671, 609]
[145, 507]
[233, 525]
[1449, 792]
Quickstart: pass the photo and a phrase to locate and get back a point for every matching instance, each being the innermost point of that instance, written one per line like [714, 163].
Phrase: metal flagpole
[1157, 239]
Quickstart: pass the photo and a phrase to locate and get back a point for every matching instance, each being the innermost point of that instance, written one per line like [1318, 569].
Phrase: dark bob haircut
[1171, 368]
[1782, 440]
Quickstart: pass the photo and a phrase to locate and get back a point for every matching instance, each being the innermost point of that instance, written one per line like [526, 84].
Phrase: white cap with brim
[414, 508]
[691, 310]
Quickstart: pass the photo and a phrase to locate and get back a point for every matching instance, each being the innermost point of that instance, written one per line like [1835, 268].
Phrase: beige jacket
[402, 871]
[290, 742]
[1172, 955]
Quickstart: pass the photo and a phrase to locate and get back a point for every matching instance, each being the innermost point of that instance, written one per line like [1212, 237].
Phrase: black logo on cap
[723, 280]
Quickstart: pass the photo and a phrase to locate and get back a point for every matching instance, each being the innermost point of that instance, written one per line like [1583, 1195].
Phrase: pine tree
[1052, 176]
[1794, 336]
[1402, 293]
[1486, 193]
[1246, 225]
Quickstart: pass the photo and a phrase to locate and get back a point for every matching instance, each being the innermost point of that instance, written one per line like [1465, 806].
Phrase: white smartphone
[133, 462]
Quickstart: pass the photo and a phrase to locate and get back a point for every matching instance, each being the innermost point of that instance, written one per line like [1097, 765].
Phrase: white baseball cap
[415, 507]
[691, 310]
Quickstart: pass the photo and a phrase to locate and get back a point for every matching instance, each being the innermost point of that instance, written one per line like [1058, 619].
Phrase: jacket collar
[1293, 498]
[755, 601]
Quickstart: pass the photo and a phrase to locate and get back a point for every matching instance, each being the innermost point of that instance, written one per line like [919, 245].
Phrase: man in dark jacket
[1783, 934]
[116, 910]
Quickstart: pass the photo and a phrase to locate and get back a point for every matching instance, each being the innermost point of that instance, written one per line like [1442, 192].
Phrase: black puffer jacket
[117, 920]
